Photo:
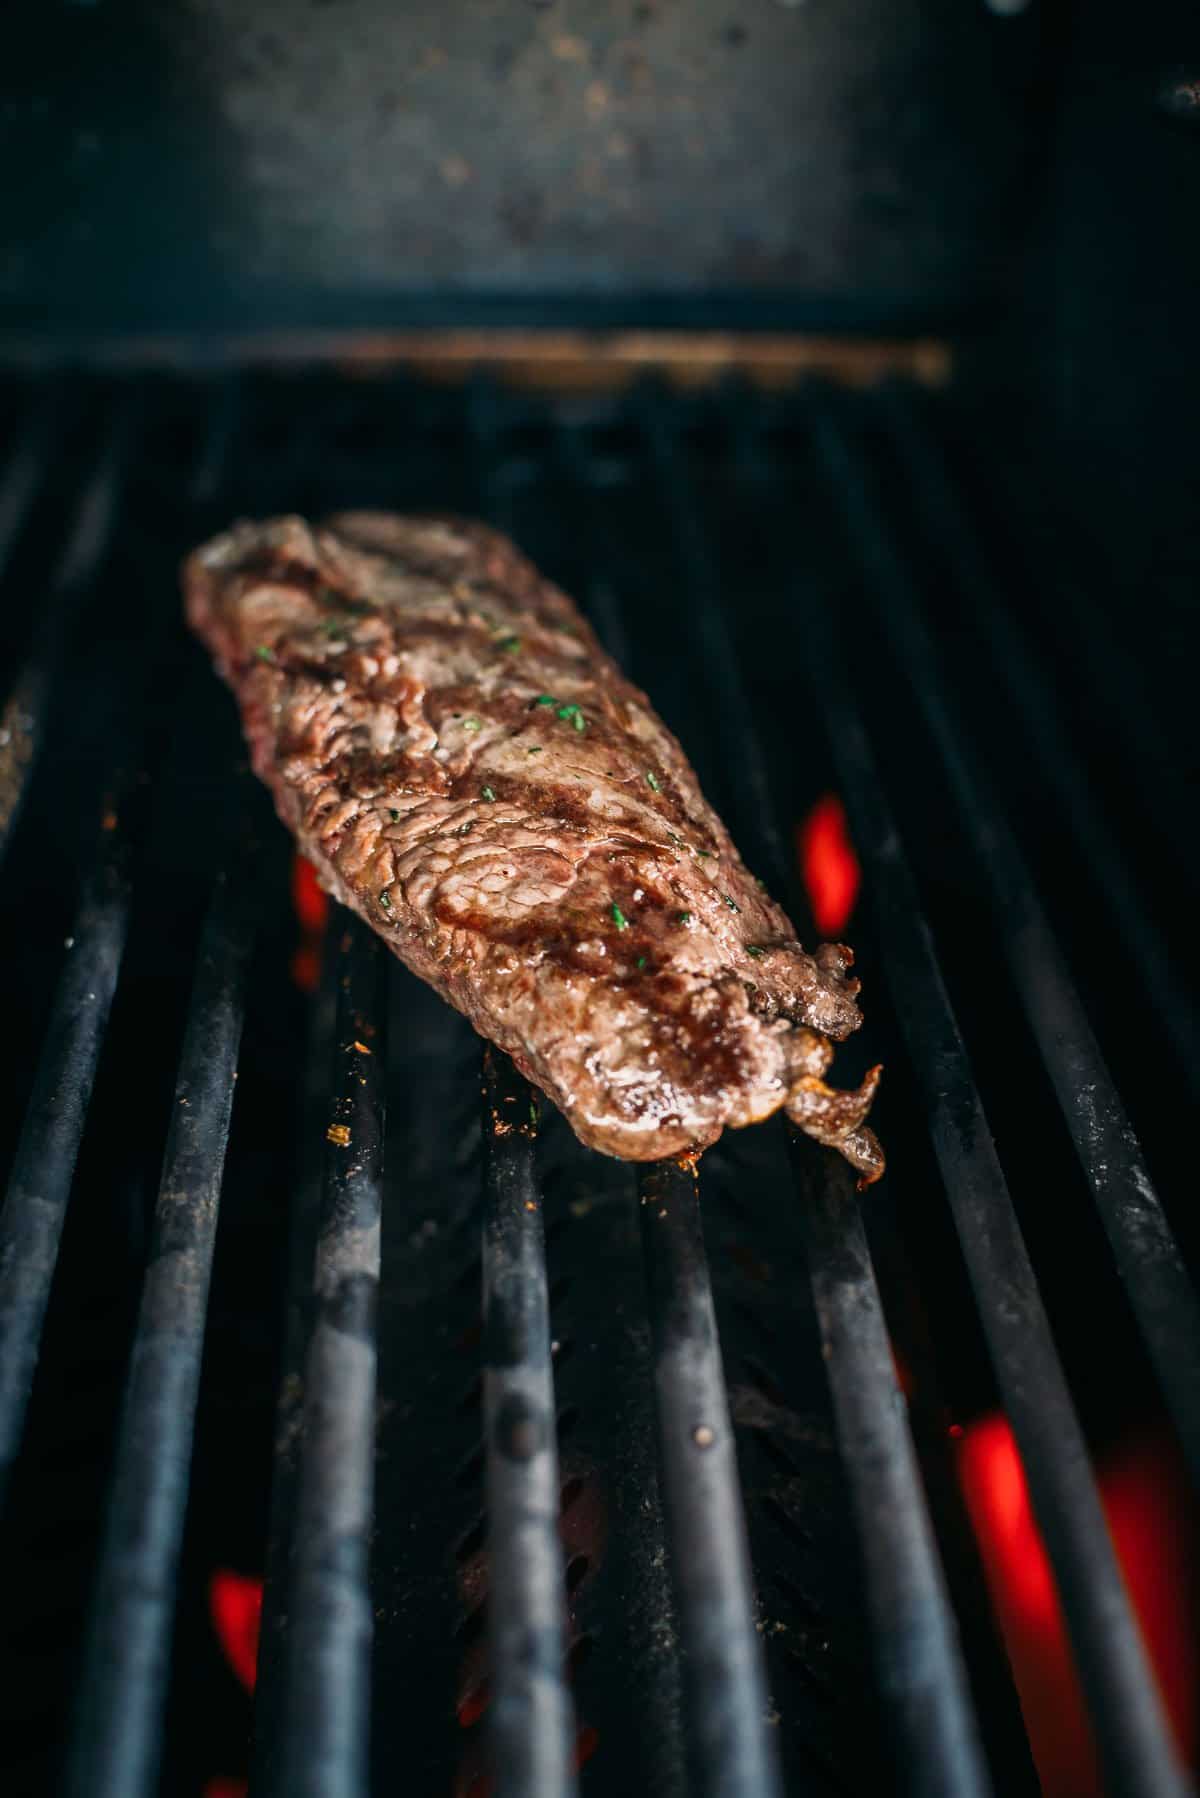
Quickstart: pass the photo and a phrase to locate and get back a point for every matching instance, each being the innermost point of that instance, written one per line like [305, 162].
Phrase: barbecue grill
[551, 1474]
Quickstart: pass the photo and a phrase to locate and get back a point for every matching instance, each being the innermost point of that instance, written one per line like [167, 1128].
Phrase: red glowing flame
[1144, 1493]
[472, 1707]
[311, 906]
[586, 1744]
[306, 968]
[483, 1785]
[235, 1602]
[222, 1787]
[828, 865]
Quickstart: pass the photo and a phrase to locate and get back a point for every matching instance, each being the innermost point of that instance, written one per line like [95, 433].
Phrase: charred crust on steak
[468, 769]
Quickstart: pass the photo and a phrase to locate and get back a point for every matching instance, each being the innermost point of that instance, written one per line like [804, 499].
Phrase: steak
[469, 771]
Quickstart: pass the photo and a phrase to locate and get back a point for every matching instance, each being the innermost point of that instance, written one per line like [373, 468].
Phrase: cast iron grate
[623, 1534]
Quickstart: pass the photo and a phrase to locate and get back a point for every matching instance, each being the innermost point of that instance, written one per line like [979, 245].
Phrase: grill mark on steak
[469, 770]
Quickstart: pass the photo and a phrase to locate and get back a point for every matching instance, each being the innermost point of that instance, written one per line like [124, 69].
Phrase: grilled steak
[469, 771]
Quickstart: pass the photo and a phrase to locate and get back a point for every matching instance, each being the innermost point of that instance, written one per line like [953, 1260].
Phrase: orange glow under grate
[828, 865]
[311, 907]
[1144, 1493]
[235, 1604]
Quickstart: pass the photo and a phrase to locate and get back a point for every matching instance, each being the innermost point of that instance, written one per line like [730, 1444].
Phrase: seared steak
[469, 771]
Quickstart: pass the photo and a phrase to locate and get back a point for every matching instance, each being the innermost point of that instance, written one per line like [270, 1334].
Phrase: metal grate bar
[597, 594]
[28, 465]
[36, 1204]
[23, 719]
[1144, 1247]
[531, 1715]
[216, 449]
[1057, 762]
[302, 1237]
[325, 1702]
[116, 1744]
[731, 1752]
[916, 1643]
[932, 1705]
[717, 659]
[1135, 1741]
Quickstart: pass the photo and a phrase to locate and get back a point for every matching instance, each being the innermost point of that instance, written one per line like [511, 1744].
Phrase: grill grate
[325, 1689]
[114, 1748]
[534, 1737]
[723, 1640]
